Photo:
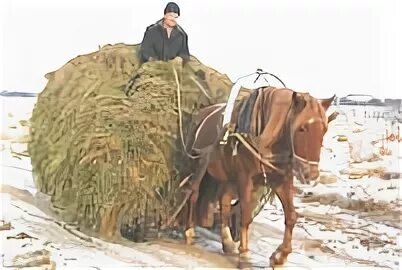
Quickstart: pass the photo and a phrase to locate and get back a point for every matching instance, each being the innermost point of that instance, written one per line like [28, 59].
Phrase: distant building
[394, 103]
[367, 106]
[357, 100]
[17, 94]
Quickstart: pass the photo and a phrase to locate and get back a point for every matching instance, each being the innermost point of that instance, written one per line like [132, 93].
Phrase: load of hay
[106, 137]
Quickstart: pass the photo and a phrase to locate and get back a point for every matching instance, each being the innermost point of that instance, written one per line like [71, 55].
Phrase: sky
[322, 47]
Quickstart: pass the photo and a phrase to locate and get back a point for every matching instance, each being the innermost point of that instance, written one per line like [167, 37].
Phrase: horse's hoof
[228, 247]
[245, 264]
[189, 236]
[278, 258]
[244, 254]
[189, 241]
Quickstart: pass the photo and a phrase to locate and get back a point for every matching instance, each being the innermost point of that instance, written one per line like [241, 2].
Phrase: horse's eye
[302, 128]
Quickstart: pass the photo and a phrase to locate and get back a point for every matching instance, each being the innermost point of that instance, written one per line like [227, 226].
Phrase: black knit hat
[172, 7]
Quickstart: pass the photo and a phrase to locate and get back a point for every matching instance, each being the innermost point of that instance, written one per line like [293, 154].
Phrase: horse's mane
[281, 104]
[273, 107]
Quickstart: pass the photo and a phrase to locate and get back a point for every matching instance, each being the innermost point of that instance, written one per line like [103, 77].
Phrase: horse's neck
[275, 113]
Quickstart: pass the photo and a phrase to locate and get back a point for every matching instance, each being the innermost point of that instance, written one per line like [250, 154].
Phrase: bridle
[296, 156]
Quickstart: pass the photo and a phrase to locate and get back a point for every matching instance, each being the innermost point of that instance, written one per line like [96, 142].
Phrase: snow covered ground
[349, 218]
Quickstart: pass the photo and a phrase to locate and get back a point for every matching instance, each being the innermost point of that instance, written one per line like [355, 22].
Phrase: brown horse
[284, 140]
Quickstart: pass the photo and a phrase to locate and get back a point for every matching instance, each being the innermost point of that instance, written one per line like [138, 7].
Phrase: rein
[180, 115]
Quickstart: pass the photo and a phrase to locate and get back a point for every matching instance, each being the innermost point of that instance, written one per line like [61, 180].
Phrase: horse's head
[309, 126]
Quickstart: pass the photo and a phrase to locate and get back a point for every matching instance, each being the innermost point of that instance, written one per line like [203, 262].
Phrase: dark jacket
[157, 45]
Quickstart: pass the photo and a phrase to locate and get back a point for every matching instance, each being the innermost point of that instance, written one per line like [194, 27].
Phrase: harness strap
[220, 106]
[264, 161]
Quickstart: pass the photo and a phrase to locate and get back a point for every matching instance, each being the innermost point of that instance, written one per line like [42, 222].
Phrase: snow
[326, 235]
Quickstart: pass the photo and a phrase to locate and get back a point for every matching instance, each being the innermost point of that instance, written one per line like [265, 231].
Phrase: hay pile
[105, 140]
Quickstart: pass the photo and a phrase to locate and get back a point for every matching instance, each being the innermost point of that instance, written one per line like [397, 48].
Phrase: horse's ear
[325, 103]
[298, 101]
[332, 116]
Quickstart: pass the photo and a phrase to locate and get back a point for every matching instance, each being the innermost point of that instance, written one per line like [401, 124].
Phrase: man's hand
[177, 60]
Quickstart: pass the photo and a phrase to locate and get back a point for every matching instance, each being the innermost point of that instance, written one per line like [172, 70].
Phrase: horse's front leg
[228, 244]
[284, 192]
[199, 173]
[246, 208]
[190, 231]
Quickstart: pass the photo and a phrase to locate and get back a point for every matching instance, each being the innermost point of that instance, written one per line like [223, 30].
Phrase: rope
[183, 203]
[180, 114]
[201, 88]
